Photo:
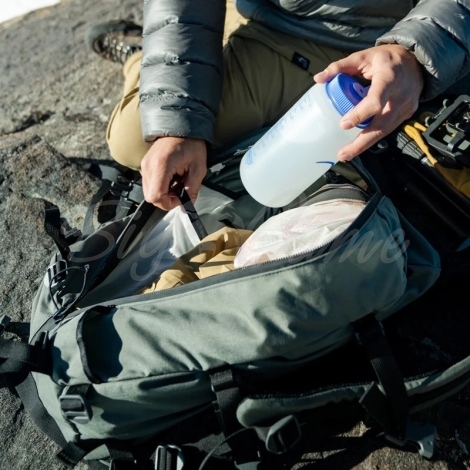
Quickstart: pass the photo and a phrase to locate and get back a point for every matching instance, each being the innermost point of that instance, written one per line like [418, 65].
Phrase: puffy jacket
[181, 75]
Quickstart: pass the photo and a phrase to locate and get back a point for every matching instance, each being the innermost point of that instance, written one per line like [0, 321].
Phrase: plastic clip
[56, 273]
[283, 435]
[422, 435]
[120, 185]
[169, 457]
[80, 414]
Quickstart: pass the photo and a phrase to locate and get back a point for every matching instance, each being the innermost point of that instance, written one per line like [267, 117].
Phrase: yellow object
[459, 179]
[213, 255]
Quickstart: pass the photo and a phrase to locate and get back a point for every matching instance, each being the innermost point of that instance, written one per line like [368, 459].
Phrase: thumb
[349, 65]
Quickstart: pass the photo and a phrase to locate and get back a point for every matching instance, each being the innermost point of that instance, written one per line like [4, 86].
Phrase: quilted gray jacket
[181, 76]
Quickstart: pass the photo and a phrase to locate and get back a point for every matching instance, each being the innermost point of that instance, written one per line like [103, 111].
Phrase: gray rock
[32, 172]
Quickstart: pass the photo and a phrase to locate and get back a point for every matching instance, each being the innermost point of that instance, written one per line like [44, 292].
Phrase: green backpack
[110, 378]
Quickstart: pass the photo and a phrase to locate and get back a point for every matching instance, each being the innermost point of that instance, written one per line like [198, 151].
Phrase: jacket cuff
[444, 57]
[183, 118]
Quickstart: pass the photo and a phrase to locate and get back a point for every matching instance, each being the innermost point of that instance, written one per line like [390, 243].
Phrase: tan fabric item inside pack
[214, 255]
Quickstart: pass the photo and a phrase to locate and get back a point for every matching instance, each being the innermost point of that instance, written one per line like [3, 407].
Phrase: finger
[379, 128]
[193, 181]
[159, 194]
[372, 105]
[349, 65]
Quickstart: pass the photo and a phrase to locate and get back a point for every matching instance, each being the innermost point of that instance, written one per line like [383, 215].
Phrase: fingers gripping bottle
[303, 144]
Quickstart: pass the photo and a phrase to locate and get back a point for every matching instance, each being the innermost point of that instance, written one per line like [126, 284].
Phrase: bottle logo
[329, 163]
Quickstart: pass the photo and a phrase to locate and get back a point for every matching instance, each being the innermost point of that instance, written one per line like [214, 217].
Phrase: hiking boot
[116, 40]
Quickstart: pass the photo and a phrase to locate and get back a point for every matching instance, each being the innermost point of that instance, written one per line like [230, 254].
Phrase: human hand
[397, 82]
[171, 158]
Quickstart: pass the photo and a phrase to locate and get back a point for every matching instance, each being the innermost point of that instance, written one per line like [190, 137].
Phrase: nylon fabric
[161, 382]
[147, 358]
[181, 43]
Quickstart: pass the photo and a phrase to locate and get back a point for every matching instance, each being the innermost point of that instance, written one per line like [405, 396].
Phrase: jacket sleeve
[181, 71]
[438, 33]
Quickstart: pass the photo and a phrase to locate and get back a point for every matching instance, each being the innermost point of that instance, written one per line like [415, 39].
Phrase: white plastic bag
[297, 231]
[169, 239]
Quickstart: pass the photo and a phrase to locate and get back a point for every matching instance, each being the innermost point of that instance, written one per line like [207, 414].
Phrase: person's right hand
[168, 159]
[397, 80]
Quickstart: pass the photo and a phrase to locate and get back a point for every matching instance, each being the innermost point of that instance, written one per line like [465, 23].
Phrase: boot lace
[118, 51]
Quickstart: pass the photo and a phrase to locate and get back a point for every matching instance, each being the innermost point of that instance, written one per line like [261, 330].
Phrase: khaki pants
[261, 82]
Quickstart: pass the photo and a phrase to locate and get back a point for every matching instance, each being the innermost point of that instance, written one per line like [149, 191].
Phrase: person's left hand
[397, 82]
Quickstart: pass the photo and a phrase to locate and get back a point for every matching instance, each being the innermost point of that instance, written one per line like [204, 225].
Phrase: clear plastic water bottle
[303, 144]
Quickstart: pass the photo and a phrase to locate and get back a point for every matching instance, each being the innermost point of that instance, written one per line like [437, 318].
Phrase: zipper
[339, 192]
[259, 268]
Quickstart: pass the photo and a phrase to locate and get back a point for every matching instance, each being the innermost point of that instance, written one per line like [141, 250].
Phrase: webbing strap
[88, 227]
[72, 454]
[121, 459]
[391, 410]
[227, 400]
[28, 393]
[192, 214]
[22, 357]
[52, 226]
[228, 397]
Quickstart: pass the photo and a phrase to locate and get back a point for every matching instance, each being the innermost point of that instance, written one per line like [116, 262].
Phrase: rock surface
[55, 100]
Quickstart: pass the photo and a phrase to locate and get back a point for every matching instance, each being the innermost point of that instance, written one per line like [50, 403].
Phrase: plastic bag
[297, 231]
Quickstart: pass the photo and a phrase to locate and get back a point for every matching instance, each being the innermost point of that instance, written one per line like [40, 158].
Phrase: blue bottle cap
[344, 92]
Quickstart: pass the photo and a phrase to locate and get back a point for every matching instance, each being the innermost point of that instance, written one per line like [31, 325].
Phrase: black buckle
[449, 131]
[79, 415]
[56, 273]
[130, 193]
[422, 435]
[169, 457]
[120, 185]
[283, 435]
[73, 236]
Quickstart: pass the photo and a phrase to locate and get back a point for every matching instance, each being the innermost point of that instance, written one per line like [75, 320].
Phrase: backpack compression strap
[53, 227]
[390, 410]
[228, 398]
[189, 208]
[17, 358]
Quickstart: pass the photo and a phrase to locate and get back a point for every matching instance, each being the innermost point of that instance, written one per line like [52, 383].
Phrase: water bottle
[303, 144]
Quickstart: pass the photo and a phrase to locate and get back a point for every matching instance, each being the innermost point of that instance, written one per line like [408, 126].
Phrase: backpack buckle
[422, 435]
[56, 273]
[169, 457]
[120, 185]
[283, 435]
[75, 408]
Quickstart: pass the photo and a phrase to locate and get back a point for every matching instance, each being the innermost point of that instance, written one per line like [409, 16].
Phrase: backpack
[112, 378]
